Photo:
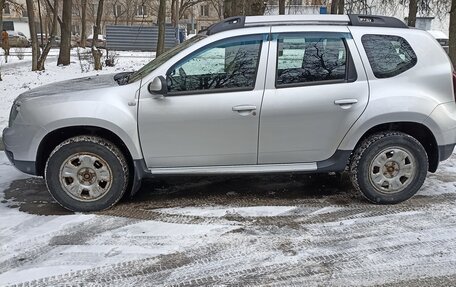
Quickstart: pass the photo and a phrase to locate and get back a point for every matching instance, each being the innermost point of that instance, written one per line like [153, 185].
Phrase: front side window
[388, 55]
[227, 64]
[310, 58]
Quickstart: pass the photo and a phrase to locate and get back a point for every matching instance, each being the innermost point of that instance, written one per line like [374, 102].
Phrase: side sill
[236, 169]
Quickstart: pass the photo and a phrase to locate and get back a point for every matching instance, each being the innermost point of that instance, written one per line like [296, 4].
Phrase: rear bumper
[445, 151]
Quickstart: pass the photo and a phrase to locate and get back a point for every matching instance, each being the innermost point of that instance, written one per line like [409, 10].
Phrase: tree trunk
[243, 8]
[2, 3]
[413, 9]
[65, 39]
[173, 12]
[84, 23]
[96, 53]
[50, 39]
[452, 48]
[161, 27]
[281, 7]
[341, 6]
[334, 6]
[35, 44]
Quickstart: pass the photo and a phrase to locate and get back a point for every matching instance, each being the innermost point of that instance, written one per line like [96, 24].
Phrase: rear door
[316, 89]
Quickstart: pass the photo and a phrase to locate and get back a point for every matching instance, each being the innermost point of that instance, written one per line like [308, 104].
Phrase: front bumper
[28, 167]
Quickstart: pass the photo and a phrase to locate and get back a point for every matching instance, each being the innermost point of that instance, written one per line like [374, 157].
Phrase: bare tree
[35, 45]
[50, 39]
[413, 9]
[96, 53]
[340, 7]
[65, 37]
[243, 7]
[83, 23]
[218, 7]
[281, 7]
[161, 27]
[452, 45]
[334, 5]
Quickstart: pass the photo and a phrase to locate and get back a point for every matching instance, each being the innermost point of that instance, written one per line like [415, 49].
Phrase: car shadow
[30, 195]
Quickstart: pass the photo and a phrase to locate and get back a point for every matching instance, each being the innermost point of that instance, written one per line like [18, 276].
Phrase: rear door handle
[344, 102]
[245, 110]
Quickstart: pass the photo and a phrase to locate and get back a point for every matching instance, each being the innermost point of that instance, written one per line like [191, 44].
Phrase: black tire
[92, 159]
[367, 170]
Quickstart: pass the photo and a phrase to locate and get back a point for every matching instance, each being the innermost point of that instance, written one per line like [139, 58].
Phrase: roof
[351, 19]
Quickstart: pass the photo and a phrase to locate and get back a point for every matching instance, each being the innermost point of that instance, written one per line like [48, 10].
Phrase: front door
[210, 115]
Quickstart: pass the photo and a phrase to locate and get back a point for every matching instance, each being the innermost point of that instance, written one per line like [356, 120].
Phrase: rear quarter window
[388, 55]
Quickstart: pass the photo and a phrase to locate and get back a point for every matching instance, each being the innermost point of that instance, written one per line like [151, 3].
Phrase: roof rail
[297, 20]
[350, 19]
[375, 21]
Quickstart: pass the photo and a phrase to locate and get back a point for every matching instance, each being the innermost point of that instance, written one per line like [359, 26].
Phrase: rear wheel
[86, 173]
[389, 167]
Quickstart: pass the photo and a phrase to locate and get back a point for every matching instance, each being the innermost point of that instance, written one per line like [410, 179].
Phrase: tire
[86, 173]
[389, 167]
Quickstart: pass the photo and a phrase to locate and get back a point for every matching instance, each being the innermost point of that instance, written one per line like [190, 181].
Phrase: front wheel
[389, 167]
[86, 173]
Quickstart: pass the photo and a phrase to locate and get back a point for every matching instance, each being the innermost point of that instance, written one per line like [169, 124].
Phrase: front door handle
[245, 110]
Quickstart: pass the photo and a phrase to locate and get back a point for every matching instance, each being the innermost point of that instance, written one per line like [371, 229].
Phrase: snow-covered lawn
[18, 77]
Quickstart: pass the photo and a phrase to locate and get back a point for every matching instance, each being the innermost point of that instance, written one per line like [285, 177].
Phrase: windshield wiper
[122, 78]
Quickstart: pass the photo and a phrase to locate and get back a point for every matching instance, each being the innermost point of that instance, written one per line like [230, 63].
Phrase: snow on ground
[309, 240]
[18, 77]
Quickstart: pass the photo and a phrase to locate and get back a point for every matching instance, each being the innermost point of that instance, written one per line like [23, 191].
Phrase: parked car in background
[442, 38]
[44, 39]
[101, 41]
[17, 39]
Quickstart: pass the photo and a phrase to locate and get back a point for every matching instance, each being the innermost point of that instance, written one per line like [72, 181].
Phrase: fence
[137, 38]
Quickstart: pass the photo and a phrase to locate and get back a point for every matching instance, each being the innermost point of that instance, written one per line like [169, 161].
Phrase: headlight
[14, 111]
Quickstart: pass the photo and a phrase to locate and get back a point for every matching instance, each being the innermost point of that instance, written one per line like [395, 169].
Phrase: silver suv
[249, 95]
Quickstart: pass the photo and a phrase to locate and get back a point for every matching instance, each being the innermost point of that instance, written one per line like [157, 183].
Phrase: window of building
[141, 10]
[296, 2]
[309, 58]
[227, 64]
[204, 10]
[388, 55]
[7, 10]
[117, 10]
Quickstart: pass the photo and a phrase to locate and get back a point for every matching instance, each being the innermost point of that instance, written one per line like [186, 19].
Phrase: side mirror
[158, 86]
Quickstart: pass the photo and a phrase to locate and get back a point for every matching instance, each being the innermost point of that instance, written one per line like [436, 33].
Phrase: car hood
[71, 86]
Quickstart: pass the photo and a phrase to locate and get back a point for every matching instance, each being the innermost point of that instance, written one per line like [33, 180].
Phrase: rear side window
[310, 58]
[388, 55]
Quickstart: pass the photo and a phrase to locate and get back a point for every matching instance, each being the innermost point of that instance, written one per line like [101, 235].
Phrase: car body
[17, 39]
[250, 95]
[442, 38]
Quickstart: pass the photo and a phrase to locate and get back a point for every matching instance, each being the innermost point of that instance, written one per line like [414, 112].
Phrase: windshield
[155, 63]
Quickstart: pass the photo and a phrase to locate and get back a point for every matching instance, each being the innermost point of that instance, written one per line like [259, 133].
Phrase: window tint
[310, 58]
[228, 64]
[388, 55]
